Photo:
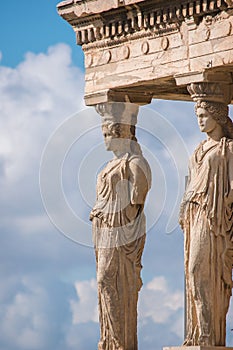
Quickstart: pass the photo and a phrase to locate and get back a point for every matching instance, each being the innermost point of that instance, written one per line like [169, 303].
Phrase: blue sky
[32, 26]
[48, 291]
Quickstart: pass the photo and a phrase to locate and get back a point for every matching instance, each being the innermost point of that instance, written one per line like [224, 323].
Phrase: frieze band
[135, 19]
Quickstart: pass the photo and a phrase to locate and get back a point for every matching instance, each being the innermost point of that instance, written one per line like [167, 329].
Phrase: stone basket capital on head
[214, 98]
[211, 92]
[118, 112]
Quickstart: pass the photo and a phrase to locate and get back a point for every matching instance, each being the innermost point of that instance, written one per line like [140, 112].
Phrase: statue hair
[219, 112]
[118, 130]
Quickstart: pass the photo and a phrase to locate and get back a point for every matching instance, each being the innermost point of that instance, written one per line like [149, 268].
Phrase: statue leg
[208, 283]
[192, 330]
[118, 278]
[200, 278]
[108, 295]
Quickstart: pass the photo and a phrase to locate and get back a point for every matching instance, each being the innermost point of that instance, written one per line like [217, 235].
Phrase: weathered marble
[197, 348]
[206, 218]
[119, 228]
[145, 49]
[136, 50]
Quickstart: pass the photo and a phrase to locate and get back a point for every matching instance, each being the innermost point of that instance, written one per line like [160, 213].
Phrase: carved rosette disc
[125, 52]
[145, 47]
[164, 43]
[88, 60]
[107, 56]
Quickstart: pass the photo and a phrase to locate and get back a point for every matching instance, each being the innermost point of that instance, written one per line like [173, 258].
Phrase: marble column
[119, 227]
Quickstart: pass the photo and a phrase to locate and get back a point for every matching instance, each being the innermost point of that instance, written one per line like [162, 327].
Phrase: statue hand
[181, 222]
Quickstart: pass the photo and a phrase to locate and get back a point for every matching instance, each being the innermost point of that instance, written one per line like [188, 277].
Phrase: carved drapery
[207, 219]
[136, 50]
[119, 228]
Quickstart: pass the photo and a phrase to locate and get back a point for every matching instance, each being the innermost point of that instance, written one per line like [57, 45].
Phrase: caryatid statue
[119, 227]
[206, 218]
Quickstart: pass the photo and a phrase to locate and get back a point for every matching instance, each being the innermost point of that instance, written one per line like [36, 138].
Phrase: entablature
[140, 49]
[109, 22]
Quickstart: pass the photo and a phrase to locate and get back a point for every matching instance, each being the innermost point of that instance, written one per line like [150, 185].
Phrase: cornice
[85, 8]
[127, 19]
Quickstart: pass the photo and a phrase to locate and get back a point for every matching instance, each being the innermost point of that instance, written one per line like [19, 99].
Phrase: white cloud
[159, 302]
[158, 305]
[85, 309]
[157, 284]
[24, 322]
[36, 95]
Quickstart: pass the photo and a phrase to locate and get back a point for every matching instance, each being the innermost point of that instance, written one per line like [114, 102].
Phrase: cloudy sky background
[48, 290]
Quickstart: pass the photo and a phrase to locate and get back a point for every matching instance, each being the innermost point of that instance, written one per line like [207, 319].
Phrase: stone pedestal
[197, 348]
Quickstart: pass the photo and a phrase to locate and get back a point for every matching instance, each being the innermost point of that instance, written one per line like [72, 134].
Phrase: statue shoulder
[139, 160]
[200, 145]
[193, 157]
[138, 164]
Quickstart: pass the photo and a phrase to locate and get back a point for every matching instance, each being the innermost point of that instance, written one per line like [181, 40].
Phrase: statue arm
[184, 200]
[138, 186]
[139, 182]
[228, 156]
[230, 176]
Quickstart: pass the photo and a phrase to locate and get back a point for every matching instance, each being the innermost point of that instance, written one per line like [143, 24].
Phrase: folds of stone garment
[207, 220]
[119, 236]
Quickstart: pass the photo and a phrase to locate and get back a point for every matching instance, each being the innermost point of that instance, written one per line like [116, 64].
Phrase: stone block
[197, 348]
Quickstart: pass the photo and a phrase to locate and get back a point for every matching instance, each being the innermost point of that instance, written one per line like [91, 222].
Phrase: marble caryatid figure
[119, 227]
[206, 218]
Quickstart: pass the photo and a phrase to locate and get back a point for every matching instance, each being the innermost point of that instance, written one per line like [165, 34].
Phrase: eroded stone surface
[89, 7]
[206, 217]
[197, 348]
[119, 227]
[136, 51]
[138, 48]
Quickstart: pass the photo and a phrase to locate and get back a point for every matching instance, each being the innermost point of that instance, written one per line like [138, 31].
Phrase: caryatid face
[206, 121]
[110, 139]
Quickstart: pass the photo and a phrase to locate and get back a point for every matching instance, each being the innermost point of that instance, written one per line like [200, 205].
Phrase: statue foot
[101, 346]
[204, 340]
[187, 342]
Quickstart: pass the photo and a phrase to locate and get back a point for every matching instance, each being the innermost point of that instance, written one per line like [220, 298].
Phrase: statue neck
[216, 134]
